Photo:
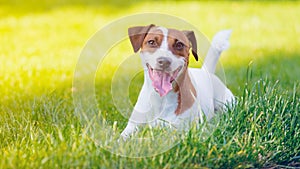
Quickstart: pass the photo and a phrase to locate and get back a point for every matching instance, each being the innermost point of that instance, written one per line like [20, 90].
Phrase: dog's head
[164, 53]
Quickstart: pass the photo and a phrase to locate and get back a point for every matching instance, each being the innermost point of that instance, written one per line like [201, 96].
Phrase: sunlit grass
[41, 42]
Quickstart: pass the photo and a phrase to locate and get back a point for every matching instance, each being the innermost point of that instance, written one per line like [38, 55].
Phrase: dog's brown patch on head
[178, 43]
[152, 40]
[137, 35]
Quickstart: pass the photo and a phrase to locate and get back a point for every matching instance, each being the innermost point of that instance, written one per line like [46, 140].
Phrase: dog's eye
[179, 45]
[151, 43]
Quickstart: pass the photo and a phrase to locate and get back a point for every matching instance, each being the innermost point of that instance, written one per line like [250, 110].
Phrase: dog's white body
[210, 93]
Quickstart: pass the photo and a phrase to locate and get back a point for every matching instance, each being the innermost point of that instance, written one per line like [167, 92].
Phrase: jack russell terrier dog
[173, 93]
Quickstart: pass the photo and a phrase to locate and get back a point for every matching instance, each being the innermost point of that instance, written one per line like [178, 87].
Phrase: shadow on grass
[279, 66]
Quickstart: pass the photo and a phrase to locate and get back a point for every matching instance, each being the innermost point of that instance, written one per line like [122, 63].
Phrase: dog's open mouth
[162, 80]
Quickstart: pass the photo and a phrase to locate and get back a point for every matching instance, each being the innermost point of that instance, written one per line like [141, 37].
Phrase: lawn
[40, 43]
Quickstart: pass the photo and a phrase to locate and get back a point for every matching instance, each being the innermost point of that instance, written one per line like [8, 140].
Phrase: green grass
[41, 42]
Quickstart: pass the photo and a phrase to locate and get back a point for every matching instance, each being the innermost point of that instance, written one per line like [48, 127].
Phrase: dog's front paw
[130, 129]
[124, 136]
[221, 40]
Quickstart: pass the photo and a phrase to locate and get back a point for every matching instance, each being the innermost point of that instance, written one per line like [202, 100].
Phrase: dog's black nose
[163, 62]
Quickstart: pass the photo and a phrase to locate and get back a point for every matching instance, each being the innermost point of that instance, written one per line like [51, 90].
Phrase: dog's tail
[219, 43]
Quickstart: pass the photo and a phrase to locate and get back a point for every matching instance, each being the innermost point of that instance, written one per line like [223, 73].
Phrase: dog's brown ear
[137, 35]
[191, 36]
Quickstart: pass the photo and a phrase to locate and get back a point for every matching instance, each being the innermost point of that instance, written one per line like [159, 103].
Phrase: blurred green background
[41, 40]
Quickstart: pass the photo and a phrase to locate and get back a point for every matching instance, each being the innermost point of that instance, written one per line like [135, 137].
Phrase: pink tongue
[161, 82]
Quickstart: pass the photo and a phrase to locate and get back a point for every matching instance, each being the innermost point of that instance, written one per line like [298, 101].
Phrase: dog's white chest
[168, 106]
